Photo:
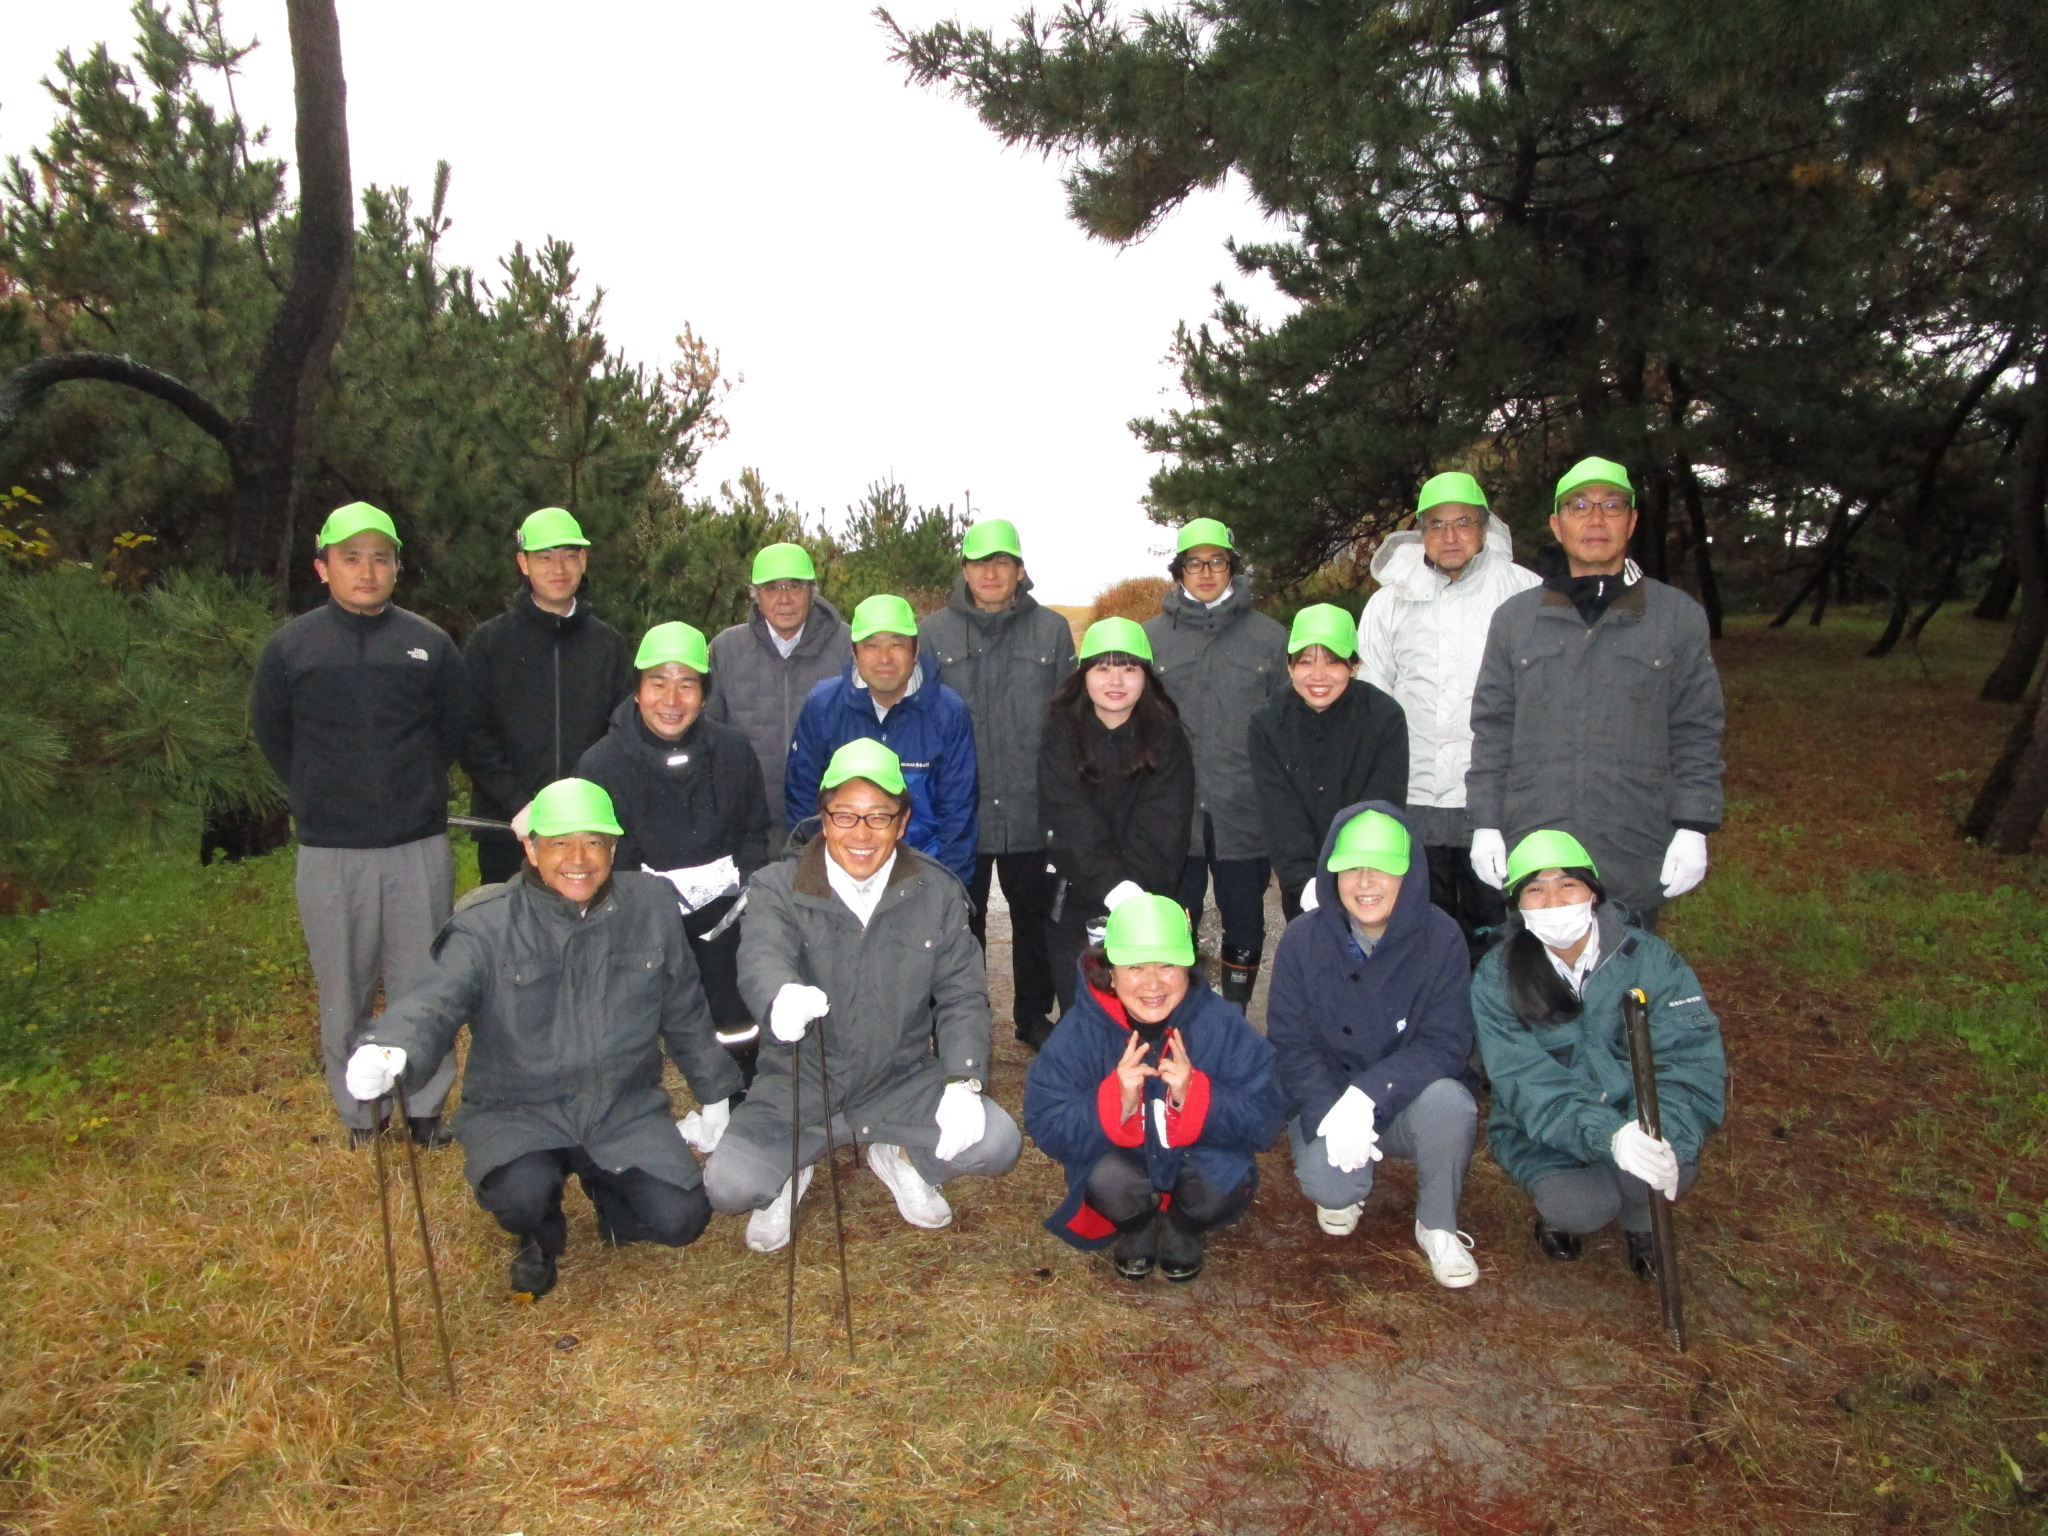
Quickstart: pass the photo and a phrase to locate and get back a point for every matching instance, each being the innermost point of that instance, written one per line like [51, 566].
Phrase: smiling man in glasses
[858, 954]
[1420, 639]
[1598, 708]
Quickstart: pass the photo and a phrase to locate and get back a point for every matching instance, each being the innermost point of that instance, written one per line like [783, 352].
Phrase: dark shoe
[1558, 1244]
[428, 1133]
[533, 1271]
[1181, 1254]
[1642, 1254]
[1034, 1032]
[1136, 1249]
[1240, 977]
[362, 1135]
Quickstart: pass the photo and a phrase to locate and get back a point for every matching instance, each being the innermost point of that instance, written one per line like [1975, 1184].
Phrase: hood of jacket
[1411, 911]
[962, 603]
[1401, 566]
[1184, 610]
[811, 641]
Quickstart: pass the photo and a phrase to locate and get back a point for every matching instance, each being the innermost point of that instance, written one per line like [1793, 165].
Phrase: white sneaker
[1449, 1261]
[768, 1228]
[1341, 1222]
[921, 1205]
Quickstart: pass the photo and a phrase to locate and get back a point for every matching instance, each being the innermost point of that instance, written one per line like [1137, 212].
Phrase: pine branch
[27, 383]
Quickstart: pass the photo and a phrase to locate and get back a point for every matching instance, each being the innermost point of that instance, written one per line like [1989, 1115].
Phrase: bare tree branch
[22, 387]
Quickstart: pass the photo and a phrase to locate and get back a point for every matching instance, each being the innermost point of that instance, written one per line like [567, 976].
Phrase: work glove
[1159, 1122]
[1649, 1158]
[1685, 862]
[1122, 892]
[1490, 856]
[1349, 1140]
[702, 1128]
[1309, 900]
[793, 1009]
[372, 1070]
[521, 820]
[963, 1119]
[700, 884]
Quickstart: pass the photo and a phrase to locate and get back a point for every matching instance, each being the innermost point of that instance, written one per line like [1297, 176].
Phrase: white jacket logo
[418, 653]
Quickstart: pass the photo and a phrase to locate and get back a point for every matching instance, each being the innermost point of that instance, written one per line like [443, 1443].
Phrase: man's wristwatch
[972, 1084]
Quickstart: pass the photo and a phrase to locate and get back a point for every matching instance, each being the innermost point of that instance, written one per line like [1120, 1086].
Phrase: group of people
[771, 854]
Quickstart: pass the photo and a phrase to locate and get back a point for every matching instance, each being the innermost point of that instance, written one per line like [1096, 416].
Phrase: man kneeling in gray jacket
[572, 979]
[867, 939]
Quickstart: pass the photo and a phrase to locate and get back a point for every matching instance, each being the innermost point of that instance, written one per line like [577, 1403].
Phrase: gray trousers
[370, 915]
[744, 1175]
[1587, 1199]
[1435, 1132]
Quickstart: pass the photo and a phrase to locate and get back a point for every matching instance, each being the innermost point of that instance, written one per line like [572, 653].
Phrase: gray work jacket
[1006, 666]
[761, 692]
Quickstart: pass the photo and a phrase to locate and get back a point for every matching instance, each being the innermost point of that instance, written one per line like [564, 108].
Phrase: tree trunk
[1996, 603]
[1841, 529]
[1944, 589]
[1702, 551]
[1894, 625]
[2028, 549]
[2008, 809]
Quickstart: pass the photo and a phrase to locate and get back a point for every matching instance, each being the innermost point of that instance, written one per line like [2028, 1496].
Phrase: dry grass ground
[192, 1335]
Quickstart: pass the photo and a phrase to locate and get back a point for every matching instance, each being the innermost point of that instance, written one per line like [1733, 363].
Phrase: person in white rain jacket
[1420, 639]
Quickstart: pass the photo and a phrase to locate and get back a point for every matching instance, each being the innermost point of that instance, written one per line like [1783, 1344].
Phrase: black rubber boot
[1642, 1254]
[1136, 1249]
[1182, 1249]
[533, 1269]
[1240, 976]
[1034, 1032]
[362, 1136]
[428, 1132]
[1557, 1243]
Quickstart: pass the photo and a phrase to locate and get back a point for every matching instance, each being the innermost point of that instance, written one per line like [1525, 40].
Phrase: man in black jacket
[544, 676]
[360, 707]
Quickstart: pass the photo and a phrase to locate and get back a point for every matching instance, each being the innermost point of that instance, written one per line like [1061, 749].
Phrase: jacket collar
[555, 908]
[991, 623]
[1181, 609]
[1628, 608]
[810, 879]
[550, 623]
[819, 628]
[365, 622]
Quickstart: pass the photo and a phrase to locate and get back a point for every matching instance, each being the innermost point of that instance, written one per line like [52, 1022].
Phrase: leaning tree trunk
[264, 444]
[2028, 547]
[2008, 809]
[1996, 603]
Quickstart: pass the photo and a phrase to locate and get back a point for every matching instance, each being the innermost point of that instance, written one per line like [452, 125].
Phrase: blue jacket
[1389, 1023]
[929, 728]
[1233, 1109]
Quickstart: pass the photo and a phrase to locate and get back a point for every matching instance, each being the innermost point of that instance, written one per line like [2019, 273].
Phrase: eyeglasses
[784, 588]
[1451, 525]
[1580, 507]
[1213, 563]
[878, 821]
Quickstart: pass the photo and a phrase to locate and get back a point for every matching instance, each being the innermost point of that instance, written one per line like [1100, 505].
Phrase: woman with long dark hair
[1547, 1002]
[1116, 789]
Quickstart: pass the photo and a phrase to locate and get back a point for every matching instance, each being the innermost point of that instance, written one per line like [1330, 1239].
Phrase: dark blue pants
[632, 1207]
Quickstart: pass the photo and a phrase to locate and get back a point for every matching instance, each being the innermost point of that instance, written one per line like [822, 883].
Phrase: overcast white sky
[901, 294]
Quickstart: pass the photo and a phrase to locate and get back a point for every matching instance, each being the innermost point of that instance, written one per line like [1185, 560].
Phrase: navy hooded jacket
[1389, 1023]
[1233, 1109]
[929, 728]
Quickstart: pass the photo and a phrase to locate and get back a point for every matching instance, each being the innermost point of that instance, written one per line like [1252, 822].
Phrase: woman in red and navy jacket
[1155, 1094]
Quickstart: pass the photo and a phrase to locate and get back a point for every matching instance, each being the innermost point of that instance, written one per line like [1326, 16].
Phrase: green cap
[1452, 485]
[1203, 530]
[1592, 472]
[674, 641]
[996, 536]
[1324, 624]
[1370, 840]
[783, 562]
[357, 517]
[550, 528]
[1149, 930]
[1548, 849]
[864, 758]
[1123, 636]
[572, 805]
[884, 614]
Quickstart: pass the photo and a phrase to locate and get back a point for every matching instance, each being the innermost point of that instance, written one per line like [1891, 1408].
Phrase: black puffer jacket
[1123, 826]
[682, 803]
[542, 688]
[1308, 765]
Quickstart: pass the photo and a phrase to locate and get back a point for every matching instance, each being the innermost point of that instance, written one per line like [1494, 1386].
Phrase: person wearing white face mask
[1547, 1006]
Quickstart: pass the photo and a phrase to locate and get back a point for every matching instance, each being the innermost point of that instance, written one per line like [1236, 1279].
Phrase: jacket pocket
[633, 982]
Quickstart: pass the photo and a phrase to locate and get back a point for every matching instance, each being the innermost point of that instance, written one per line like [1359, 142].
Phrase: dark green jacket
[909, 995]
[1561, 1091]
[567, 1019]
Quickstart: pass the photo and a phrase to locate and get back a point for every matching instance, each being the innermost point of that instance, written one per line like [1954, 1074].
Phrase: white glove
[1122, 892]
[701, 884]
[703, 1128]
[521, 820]
[1490, 856]
[1685, 862]
[372, 1070]
[793, 1009]
[1309, 900]
[963, 1119]
[1648, 1157]
[1350, 1142]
